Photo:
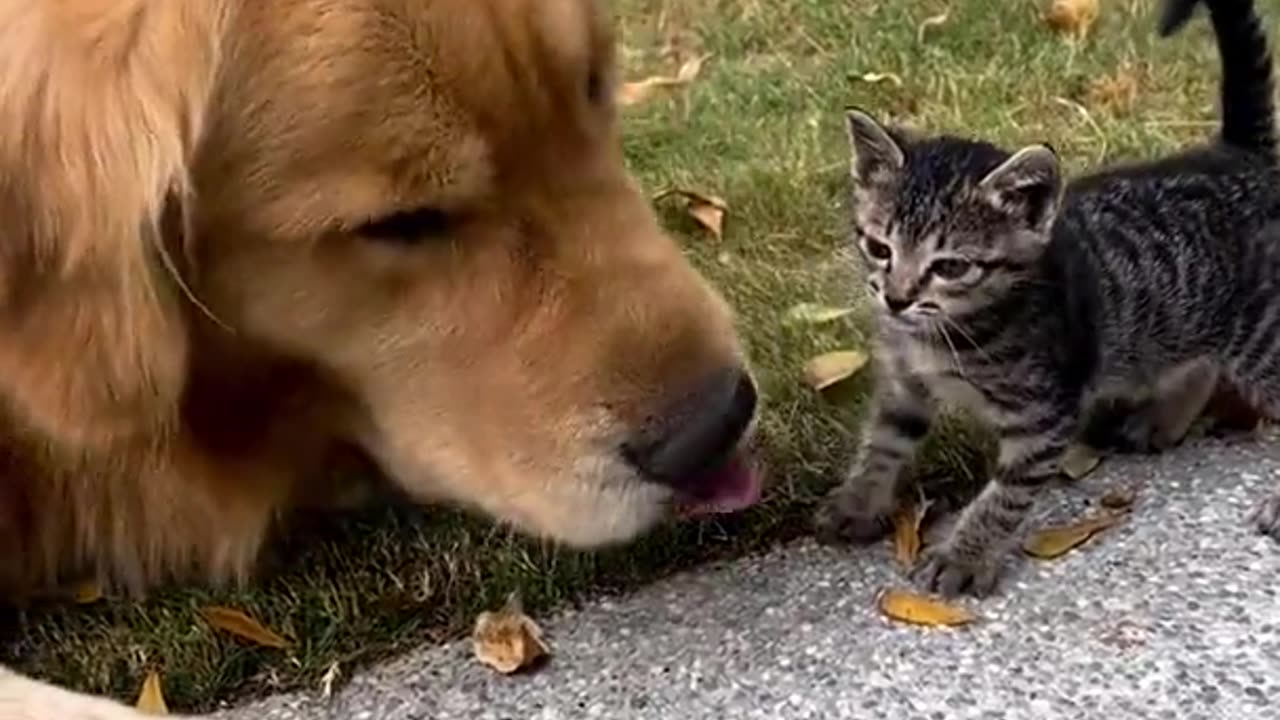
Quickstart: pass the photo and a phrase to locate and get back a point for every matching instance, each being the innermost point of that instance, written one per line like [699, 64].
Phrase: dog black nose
[696, 434]
[897, 304]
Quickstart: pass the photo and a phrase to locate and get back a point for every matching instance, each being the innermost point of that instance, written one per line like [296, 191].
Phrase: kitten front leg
[861, 507]
[972, 557]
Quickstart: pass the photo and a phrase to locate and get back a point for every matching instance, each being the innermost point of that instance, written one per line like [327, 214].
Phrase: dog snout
[697, 433]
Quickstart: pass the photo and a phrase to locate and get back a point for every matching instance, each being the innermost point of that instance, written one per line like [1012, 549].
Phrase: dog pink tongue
[735, 486]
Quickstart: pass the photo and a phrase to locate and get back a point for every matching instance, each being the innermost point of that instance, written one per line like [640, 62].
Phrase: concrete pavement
[1173, 615]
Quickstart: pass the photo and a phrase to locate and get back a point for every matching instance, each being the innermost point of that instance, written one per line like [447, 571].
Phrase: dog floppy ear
[102, 103]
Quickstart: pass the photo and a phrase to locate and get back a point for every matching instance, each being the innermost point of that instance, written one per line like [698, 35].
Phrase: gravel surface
[1174, 614]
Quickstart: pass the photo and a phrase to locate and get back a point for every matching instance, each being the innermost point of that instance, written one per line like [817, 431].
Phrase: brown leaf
[244, 627]
[810, 313]
[151, 697]
[916, 609]
[1079, 460]
[707, 210]
[87, 592]
[507, 640]
[634, 93]
[1117, 91]
[906, 533]
[1072, 17]
[1118, 498]
[931, 22]
[830, 368]
[1053, 542]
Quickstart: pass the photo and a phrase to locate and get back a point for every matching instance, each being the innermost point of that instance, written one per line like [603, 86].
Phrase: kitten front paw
[1266, 516]
[846, 516]
[950, 571]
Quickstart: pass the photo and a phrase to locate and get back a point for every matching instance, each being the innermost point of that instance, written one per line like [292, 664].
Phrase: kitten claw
[949, 573]
[843, 517]
[1266, 516]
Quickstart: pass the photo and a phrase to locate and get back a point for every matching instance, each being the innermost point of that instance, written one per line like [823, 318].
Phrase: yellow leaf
[920, 610]
[1072, 17]
[830, 368]
[634, 93]
[707, 210]
[507, 640]
[244, 627]
[1053, 542]
[810, 313]
[906, 533]
[151, 698]
[1118, 498]
[931, 22]
[877, 78]
[87, 592]
[1079, 460]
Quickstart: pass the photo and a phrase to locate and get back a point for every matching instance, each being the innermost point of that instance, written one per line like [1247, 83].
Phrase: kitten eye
[407, 227]
[950, 268]
[878, 250]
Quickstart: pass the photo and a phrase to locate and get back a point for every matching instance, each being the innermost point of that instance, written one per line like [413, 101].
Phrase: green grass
[761, 127]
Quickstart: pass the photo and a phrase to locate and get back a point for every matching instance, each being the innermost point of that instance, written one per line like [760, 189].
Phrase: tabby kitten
[1106, 308]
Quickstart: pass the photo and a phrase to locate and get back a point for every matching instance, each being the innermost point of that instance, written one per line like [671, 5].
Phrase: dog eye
[950, 268]
[877, 249]
[407, 226]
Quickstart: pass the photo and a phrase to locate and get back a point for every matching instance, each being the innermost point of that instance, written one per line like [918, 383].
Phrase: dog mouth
[730, 486]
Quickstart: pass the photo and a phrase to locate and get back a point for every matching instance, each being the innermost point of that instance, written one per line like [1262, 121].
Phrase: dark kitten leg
[861, 507]
[972, 557]
[1259, 384]
[1152, 417]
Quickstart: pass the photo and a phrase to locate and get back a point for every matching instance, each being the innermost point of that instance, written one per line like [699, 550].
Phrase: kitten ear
[875, 153]
[1027, 186]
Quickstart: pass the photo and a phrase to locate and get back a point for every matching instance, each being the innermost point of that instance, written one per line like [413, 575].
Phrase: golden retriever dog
[238, 237]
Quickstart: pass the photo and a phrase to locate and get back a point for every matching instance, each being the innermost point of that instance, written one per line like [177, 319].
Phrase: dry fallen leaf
[1072, 17]
[242, 626]
[920, 610]
[906, 533]
[1118, 498]
[931, 22]
[830, 368]
[1117, 91]
[634, 93]
[810, 313]
[330, 677]
[707, 210]
[87, 592]
[508, 640]
[151, 698]
[1053, 542]
[877, 78]
[1079, 460]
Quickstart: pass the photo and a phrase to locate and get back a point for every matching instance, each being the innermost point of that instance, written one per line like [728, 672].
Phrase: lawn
[760, 127]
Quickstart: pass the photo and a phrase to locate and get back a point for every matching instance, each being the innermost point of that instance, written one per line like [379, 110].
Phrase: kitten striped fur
[1106, 308]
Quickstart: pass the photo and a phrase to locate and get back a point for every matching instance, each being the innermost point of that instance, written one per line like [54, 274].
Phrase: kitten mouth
[734, 485]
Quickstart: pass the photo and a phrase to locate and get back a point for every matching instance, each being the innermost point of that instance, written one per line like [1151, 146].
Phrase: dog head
[425, 200]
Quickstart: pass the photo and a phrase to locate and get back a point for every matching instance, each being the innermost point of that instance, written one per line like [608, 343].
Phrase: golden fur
[192, 320]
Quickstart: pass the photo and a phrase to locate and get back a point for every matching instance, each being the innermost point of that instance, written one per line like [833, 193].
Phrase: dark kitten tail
[1248, 112]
